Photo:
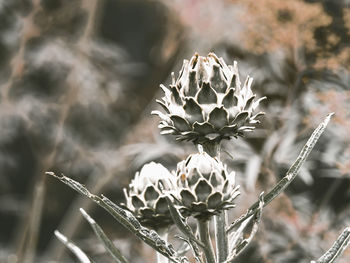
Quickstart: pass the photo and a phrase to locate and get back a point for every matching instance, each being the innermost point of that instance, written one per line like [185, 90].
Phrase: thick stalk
[220, 222]
[203, 229]
[163, 233]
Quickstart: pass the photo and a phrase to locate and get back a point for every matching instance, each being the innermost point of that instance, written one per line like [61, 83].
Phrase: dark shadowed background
[79, 78]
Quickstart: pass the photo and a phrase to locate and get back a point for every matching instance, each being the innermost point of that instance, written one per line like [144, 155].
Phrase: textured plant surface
[201, 188]
[207, 103]
[78, 79]
[204, 186]
[145, 198]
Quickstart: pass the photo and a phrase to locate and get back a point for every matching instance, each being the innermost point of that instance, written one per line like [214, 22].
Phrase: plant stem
[163, 233]
[213, 149]
[203, 229]
[34, 220]
[220, 222]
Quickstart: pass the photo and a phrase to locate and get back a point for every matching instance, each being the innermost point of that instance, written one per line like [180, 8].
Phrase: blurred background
[79, 79]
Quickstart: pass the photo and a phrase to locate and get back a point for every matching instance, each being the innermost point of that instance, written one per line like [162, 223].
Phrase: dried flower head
[204, 186]
[207, 103]
[145, 198]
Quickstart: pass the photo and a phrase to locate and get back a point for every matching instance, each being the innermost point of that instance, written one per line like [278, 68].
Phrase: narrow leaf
[291, 173]
[337, 249]
[107, 243]
[189, 245]
[181, 224]
[83, 258]
[241, 238]
[183, 227]
[127, 219]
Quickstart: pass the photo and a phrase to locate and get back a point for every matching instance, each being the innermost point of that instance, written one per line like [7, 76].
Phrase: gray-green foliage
[201, 187]
[127, 219]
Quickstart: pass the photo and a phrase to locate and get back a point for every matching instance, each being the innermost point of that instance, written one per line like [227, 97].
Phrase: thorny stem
[203, 230]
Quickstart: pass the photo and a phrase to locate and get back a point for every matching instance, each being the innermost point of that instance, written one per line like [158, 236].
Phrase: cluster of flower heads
[200, 187]
[205, 105]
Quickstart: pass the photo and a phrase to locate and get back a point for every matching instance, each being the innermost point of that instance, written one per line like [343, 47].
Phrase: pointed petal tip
[328, 118]
[194, 59]
[331, 114]
[166, 132]
[180, 123]
[235, 66]
[162, 86]
[248, 82]
[260, 100]
[206, 95]
[203, 128]
[218, 117]
[214, 56]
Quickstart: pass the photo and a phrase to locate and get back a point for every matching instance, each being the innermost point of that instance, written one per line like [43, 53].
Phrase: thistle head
[204, 187]
[145, 198]
[207, 102]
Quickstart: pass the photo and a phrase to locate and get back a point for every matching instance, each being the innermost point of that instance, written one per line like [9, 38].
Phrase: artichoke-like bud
[204, 186]
[146, 200]
[207, 103]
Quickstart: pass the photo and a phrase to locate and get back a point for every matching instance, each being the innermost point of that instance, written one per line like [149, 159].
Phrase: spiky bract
[146, 198]
[204, 186]
[206, 102]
